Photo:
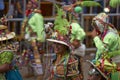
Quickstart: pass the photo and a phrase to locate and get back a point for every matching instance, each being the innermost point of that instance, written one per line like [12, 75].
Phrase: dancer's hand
[94, 33]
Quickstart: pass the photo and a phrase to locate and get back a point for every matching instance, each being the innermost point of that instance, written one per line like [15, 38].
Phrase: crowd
[64, 37]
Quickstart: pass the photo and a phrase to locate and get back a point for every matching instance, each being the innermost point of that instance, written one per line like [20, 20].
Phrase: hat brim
[3, 27]
[7, 36]
[58, 41]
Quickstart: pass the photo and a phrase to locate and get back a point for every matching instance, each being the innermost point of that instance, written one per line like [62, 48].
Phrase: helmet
[100, 21]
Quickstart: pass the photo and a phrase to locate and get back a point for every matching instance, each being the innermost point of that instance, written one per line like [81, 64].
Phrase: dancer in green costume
[107, 41]
[35, 34]
[36, 25]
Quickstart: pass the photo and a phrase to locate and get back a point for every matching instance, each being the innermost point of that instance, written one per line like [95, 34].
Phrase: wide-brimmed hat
[58, 41]
[7, 36]
[3, 27]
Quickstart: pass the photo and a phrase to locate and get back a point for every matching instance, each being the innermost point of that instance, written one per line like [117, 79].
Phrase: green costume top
[5, 57]
[110, 43]
[37, 25]
[108, 46]
[77, 32]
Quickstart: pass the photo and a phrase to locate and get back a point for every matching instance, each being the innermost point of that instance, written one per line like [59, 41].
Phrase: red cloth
[28, 12]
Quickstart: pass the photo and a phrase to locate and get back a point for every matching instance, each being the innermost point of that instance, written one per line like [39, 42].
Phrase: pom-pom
[77, 9]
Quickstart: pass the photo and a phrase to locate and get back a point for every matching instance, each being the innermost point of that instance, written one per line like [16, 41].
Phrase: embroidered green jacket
[109, 44]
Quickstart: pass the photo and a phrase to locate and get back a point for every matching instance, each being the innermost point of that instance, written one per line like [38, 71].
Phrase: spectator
[98, 9]
[19, 8]
[1, 8]
[29, 8]
[10, 13]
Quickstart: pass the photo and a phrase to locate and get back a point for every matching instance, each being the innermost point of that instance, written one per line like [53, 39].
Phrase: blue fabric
[94, 61]
[1, 5]
[66, 1]
[13, 75]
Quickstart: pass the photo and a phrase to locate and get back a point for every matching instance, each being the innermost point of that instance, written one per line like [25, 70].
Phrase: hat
[7, 36]
[101, 17]
[61, 40]
[100, 20]
[77, 32]
[4, 35]
[58, 41]
[3, 27]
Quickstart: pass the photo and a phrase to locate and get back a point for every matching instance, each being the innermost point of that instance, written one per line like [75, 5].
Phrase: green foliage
[114, 3]
[60, 11]
[89, 3]
[61, 22]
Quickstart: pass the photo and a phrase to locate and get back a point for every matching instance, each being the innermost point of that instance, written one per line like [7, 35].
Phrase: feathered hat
[61, 23]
